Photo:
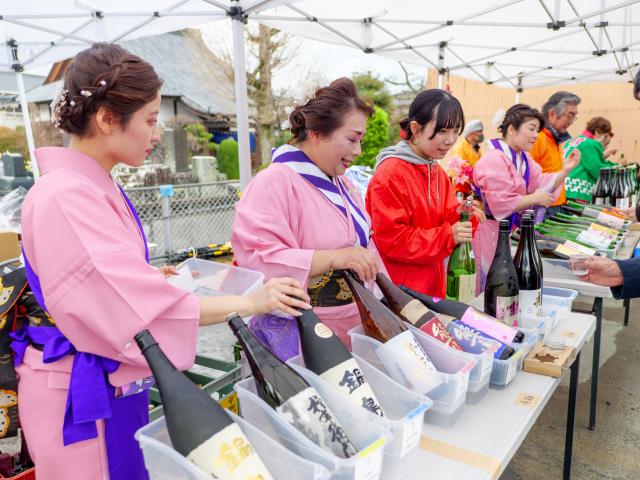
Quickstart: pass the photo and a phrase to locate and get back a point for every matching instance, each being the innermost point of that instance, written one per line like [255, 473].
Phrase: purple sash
[299, 162]
[90, 396]
[514, 220]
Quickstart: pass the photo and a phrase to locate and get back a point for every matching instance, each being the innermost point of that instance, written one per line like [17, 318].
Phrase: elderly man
[559, 112]
[466, 152]
[623, 276]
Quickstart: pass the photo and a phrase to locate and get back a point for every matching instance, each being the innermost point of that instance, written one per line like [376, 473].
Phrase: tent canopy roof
[46, 32]
[510, 43]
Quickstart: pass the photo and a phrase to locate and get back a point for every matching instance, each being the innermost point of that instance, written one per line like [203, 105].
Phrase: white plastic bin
[478, 376]
[404, 412]
[504, 370]
[164, 463]
[562, 298]
[366, 435]
[449, 397]
[545, 323]
[531, 337]
[217, 279]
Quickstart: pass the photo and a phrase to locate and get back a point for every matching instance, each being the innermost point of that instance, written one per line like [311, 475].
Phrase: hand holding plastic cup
[578, 264]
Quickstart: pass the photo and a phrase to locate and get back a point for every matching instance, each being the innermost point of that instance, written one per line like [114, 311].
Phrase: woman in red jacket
[413, 207]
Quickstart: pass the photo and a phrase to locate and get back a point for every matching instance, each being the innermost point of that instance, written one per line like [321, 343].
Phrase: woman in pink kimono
[510, 181]
[302, 218]
[86, 260]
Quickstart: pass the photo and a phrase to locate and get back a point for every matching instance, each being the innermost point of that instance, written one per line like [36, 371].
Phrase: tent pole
[441, 70]
[24, 106]
[242, 104]
[519, 89]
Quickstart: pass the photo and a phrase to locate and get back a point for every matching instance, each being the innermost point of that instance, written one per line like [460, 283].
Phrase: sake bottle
[326, 356]
[413, 311]
[477, 342]
[377, 320]
[461, 269]
[198, 426]
[469, 315]
[501, 290]
[529, 274]
[402, 356]
[290, 395]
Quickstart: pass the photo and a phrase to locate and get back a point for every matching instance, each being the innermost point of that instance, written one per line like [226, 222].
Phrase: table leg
[597, 308]
[571, 418]
[627, 304]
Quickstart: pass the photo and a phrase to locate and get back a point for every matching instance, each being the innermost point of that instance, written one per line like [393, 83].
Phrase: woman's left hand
[168, 270]
[572, 160]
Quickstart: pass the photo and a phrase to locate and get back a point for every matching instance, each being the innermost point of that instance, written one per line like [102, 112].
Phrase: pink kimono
[502, 186]
[281, 220]
[85, 247]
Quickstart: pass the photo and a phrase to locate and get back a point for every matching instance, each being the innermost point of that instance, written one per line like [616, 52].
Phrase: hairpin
[85, 93]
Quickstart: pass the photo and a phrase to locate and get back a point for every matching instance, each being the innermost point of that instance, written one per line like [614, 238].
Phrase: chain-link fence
[176, 217]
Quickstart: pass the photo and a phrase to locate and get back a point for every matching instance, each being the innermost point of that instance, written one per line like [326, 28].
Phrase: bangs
[449, 114]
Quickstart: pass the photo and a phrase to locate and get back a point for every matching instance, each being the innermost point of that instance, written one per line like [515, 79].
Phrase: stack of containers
[366, 433]
[404, 413]
[478, 376]
[163, 462]
[449, 396]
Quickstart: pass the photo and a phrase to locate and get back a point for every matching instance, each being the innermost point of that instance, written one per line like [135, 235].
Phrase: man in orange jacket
[559, 112]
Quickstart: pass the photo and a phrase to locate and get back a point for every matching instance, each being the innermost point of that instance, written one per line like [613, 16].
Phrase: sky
[319, 63]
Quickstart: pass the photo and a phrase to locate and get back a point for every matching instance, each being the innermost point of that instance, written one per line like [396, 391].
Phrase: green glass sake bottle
[461, 270]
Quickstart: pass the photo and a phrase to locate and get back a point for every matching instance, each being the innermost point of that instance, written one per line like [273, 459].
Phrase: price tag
[513, 365]
[463, 381]
[487, 365]
[369, 464]
[230, 402]
[527, 400]
[412, 430]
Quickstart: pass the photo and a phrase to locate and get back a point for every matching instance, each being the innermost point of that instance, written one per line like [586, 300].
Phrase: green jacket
[580, 182]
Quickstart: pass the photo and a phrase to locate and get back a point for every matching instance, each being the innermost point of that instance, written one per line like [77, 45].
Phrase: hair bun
[297, 121]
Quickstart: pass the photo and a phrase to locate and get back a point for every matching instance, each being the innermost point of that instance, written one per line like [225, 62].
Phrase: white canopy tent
[40, 32]
[510, 43]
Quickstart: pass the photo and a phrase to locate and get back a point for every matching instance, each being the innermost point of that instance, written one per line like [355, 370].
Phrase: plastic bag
[11, 209]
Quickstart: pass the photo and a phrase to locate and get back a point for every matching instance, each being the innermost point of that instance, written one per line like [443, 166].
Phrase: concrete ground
[612, 451]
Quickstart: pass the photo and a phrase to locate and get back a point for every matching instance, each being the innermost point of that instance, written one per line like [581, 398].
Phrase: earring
[413, 142]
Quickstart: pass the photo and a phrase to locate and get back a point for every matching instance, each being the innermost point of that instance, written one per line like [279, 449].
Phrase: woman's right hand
[358, 259]
[541, 198]
[462, 232]
[279, 294]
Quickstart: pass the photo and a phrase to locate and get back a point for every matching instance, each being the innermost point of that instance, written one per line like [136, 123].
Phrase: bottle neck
[503, 248]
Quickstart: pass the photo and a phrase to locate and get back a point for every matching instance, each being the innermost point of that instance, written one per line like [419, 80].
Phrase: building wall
[613, 101]
[167, 111]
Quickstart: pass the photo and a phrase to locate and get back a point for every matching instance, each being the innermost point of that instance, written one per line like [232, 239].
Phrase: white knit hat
[472, 126]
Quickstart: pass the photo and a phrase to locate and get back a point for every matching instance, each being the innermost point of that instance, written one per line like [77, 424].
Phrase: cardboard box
[548, 361]
[9, 246]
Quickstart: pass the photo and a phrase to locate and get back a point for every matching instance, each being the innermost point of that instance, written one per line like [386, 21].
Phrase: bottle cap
[144, 339]
[235, 322]
[504, 225]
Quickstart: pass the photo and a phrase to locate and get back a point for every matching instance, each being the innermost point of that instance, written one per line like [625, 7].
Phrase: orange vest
[549, 156]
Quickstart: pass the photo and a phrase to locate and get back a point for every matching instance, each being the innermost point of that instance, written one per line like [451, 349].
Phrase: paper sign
[527, 400]
[369, 464]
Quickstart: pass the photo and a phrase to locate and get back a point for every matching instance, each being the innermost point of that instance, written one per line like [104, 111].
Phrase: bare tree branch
[407, 80]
